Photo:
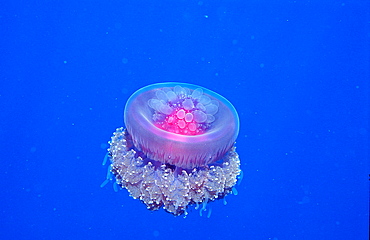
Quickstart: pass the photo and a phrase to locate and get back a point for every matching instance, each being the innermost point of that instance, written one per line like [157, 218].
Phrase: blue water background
[296, 71]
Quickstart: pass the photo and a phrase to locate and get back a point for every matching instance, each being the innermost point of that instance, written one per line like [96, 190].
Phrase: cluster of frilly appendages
[161, 185]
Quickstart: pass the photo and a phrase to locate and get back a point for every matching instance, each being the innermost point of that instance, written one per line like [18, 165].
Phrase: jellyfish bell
[181, 124]
[177, 148]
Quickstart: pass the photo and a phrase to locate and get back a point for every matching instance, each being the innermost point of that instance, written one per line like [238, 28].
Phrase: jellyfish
[178, 147]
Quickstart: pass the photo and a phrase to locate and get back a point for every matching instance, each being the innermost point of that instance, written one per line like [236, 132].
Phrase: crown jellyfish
[178, 147]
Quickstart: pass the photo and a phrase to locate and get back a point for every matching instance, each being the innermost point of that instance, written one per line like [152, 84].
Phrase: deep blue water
[296, 71]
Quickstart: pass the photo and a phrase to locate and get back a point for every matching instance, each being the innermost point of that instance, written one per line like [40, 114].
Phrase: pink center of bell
[181, 121]
[183, 111]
